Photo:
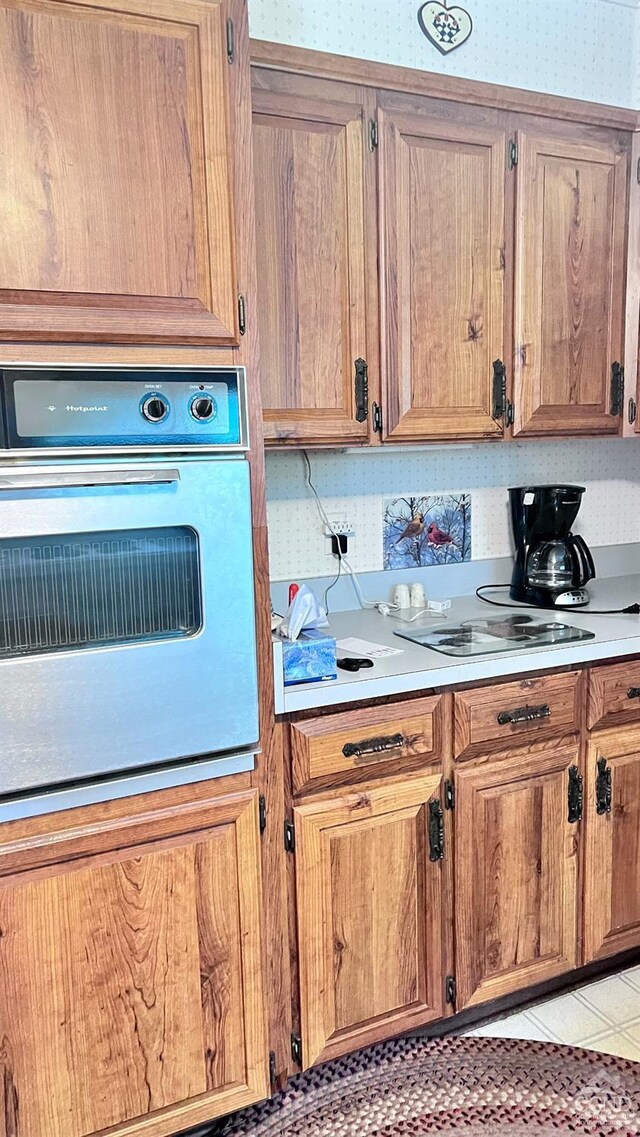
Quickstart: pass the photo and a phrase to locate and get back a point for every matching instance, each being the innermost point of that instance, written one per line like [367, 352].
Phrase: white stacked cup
[417, 598]
[401, 597]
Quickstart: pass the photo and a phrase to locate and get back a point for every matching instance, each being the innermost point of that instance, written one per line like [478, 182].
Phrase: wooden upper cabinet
[515, 872]
[442, 239]
[370, 916]
[311, 263]
[115, 191]
[130, 959]
[612, 847]
[569, 282]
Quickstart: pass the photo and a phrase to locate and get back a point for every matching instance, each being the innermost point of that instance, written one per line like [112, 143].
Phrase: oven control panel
[138, 408]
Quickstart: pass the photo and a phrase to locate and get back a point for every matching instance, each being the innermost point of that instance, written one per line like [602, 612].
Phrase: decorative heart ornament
[447, 28]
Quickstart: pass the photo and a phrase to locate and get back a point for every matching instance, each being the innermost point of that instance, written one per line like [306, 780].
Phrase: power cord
[630, 610]
[382, 607]
[325, 520]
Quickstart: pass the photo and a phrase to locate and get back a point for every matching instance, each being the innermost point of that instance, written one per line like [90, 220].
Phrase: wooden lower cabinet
[612, 843]
[370, 918]
[130, 973]
[515, 871]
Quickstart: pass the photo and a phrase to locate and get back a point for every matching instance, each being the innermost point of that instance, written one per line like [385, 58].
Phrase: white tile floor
[604, 1015]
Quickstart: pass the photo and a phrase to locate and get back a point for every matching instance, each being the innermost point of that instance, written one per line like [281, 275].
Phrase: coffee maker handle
[583, 552]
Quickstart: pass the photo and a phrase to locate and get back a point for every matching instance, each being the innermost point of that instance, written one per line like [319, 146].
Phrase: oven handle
[34, 481]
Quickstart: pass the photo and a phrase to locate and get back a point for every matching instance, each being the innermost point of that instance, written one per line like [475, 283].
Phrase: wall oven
[127, 625]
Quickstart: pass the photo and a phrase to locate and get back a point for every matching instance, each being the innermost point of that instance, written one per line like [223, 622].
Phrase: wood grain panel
[612, 856]
[570, 281]
[346, 69]
[311, 264]
[139, 973]
[317, 743]
[369, 917]
[614, 694]
[442, 233]
[118, 197]
[476, 711]
[515, 872]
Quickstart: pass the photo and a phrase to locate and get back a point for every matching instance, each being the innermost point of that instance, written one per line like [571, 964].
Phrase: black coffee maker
[552, 564]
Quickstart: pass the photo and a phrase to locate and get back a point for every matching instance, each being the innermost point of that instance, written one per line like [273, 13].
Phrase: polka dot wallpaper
[354, 484]
[585, 49]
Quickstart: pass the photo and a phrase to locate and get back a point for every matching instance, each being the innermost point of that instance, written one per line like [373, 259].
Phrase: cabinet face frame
[577, 122]
[612, 845]
[541, 769]
[324, 929]
[123, 865]
[131, 262]
[535, 414]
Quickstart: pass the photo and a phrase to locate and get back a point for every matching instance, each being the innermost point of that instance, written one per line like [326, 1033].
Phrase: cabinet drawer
[399, 736]
[614, 694]
[507, 712]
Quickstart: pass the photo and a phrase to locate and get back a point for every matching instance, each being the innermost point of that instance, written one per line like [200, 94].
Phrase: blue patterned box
[309, 658]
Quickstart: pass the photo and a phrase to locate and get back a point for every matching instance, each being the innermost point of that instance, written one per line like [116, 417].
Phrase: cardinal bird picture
[435, 536]
[426, 529]
[412, 530]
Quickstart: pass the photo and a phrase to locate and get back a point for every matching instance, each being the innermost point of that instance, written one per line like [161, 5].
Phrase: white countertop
[419, 668]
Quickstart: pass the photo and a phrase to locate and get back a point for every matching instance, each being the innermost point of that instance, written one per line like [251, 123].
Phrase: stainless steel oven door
[127, 627]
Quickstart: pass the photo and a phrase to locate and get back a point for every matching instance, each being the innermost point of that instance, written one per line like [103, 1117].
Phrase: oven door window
[92, 590]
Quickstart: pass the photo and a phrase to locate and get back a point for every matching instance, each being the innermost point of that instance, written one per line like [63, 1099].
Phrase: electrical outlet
[340, 527]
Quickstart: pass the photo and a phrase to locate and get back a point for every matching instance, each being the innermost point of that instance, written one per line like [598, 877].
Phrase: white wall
[586, 49]
[579, 48]
[354, 484]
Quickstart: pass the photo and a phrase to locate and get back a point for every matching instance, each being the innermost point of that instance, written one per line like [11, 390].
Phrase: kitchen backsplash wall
[354, 485]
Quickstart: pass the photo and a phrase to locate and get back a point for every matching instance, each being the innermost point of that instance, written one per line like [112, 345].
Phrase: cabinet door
[134, 972]
[612, 860]
[442, 233]
[116, 220]
[569, 284]
[515, 871]
[369, 917]
[310, 238]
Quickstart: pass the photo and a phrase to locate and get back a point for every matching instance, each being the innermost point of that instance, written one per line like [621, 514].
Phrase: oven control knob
[203, 407]
[154, 408]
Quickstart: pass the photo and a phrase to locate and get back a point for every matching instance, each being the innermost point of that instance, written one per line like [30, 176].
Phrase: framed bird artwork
[423, 529]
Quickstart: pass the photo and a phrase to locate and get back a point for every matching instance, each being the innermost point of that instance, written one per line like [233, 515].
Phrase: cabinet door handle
[436, 831]
[575, 795]
[373, 745]
[361, 389]
[499, 389]
[603, 787]
[633, 693]
[524, 714]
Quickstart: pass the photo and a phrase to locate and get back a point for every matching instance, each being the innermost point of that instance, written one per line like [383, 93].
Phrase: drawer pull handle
[524, 714]
[373, 745]
[603, 787]
[633, 693]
